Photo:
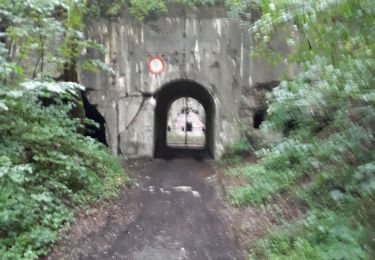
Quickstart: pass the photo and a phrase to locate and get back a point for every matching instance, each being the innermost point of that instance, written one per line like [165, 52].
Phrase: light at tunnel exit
[186, 124]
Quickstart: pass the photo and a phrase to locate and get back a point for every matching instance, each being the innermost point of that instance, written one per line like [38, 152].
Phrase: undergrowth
[47, 171]
[326, 160]
[234, 152]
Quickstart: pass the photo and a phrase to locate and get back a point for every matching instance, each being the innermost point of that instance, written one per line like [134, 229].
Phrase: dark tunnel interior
[164, 98]
[92, 113]
[258, 118]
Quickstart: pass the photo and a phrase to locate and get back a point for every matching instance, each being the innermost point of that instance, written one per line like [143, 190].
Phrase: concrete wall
[202, 46]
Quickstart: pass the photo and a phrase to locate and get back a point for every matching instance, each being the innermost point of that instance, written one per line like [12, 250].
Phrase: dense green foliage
[47, 167]
[143, 9]
[326, 161]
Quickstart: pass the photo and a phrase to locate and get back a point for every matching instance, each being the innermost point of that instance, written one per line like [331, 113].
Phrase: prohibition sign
[155, 64]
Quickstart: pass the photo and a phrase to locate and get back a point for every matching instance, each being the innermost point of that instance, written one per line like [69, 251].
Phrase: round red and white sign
[155, 64]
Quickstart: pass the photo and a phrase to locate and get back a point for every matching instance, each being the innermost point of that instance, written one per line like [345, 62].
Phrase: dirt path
[172, 213]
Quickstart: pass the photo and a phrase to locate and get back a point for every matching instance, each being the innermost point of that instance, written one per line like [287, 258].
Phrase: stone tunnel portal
[165, 97]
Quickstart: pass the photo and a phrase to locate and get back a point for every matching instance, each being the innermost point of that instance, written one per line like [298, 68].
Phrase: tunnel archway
[164, 99]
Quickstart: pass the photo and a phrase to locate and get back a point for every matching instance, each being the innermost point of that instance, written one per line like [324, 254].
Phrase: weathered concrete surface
[202, 46]
[174, 212]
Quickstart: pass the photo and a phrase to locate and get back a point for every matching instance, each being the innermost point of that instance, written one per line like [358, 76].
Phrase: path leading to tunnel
[173, 212]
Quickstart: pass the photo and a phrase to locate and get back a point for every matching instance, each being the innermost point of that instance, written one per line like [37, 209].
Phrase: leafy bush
[326, 158]
[46, 170]
[143, 9]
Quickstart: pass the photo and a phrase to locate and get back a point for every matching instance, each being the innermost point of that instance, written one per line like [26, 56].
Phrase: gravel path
[173, 212]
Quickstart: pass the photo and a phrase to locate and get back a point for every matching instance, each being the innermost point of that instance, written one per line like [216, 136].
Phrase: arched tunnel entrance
[166, 145]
